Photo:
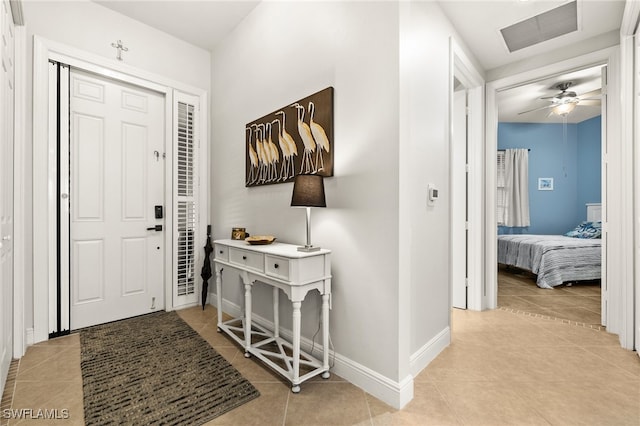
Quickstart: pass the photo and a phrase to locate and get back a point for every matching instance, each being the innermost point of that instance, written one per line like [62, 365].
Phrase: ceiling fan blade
[590, 102]
[550, 97]
[536, 109]
[591, 94]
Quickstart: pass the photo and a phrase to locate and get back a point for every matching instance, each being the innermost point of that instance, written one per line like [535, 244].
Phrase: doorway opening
[184, 162]
[111, 166]
[615, 187]
[466, 165]
[550, 268]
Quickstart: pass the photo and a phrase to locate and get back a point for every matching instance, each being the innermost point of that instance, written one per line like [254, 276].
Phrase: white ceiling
[595, 17]
[513, 103]
[479, 24]
[205, 23]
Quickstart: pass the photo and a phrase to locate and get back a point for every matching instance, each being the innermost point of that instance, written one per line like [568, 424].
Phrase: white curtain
[516, 188]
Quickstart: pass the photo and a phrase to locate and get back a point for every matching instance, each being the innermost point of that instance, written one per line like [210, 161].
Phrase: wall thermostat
[432, 194]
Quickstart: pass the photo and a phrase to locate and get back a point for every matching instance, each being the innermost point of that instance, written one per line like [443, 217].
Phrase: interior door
[459, 220]
[636, 136]
[604, 284]
[7, 108]
[116, 200]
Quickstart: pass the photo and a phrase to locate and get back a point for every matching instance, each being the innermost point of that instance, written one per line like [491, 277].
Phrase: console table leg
[219, 296]
[276, 313]
[296, 346]
[325, 335]
[247, 319]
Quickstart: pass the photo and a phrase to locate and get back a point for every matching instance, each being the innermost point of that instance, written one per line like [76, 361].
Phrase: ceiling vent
[545, 26]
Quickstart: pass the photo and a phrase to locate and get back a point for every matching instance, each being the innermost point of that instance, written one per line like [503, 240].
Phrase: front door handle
[155, 228]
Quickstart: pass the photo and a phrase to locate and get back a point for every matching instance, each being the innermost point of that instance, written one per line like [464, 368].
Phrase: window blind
[186, 199]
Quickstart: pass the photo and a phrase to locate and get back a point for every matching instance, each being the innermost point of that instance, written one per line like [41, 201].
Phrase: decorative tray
[255, 240]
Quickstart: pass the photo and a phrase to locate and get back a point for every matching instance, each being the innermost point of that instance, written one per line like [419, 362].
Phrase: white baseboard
[427, 353]
[396, 394]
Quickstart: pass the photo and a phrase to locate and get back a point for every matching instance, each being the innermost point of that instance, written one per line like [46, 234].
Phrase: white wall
[425, 159]
[90, 27]
[389, 65]
[285, 51]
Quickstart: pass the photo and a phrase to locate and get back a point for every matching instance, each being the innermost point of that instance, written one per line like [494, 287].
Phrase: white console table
[284, 268]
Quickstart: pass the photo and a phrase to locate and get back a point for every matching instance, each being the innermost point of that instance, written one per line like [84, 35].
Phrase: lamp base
[308, 248]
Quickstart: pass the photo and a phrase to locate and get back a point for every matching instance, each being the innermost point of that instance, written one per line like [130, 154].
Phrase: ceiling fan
[564, 102]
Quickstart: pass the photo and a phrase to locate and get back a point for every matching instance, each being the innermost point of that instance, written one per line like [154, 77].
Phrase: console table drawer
[221, 252]
[248, 259]
[277, 267]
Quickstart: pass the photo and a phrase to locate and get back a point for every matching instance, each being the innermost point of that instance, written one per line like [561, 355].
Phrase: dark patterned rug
[155, 369]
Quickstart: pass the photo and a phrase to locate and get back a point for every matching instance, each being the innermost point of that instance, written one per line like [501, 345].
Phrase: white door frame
[630, 58]
[464, 70]
[618, 248]
[20, 339]
[45, 170]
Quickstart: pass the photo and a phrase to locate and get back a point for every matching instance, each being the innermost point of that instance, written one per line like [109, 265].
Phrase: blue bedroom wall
[573, 164]
[589, 164]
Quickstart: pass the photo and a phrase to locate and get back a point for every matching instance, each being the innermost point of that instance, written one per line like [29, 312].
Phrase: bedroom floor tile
[577, 302]
[553, 301]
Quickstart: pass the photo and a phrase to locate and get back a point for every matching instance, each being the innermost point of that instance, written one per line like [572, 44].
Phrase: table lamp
[308, 191]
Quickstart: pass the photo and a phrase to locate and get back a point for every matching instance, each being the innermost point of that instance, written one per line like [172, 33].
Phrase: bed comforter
[554, 258]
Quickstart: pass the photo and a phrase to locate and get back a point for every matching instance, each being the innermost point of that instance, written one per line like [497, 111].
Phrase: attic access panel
[545, 26]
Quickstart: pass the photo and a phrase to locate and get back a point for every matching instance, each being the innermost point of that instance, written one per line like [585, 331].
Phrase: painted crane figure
[266, 152]
[319, 135]
[254, 160]
[286, 152]
[274, 154]
[260, 153]
[307, 140]
[288, 147]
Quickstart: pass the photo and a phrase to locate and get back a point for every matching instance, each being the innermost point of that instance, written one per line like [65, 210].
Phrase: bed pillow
[586, 230]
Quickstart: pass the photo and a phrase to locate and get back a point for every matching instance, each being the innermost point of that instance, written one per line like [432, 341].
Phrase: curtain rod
[502, 150]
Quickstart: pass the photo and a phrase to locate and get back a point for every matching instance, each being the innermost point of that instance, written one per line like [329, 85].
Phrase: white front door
[6, 188]
[116, 158]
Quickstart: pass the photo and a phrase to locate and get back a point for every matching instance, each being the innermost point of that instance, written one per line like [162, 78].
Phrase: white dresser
[282, 267]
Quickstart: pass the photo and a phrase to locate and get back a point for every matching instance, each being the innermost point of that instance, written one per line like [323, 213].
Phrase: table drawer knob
[275, 265]
[221, 251]
[244, 257]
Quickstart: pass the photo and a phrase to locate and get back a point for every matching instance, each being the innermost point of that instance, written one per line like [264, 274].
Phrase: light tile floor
[579, 302]
[501, 368]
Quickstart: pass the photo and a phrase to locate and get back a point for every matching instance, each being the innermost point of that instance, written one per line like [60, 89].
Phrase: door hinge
[466, 282]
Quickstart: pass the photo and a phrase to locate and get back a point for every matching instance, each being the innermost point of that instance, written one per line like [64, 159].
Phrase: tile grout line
[366, 401]
[547, 317]
[286, 408]
[448, 404]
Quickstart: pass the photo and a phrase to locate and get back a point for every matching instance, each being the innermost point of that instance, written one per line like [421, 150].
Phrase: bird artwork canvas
[292, 140]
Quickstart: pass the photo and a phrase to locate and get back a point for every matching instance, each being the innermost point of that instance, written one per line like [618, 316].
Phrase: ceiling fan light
[563, 108]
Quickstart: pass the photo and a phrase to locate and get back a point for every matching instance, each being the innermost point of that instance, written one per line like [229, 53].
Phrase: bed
[555, 259]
